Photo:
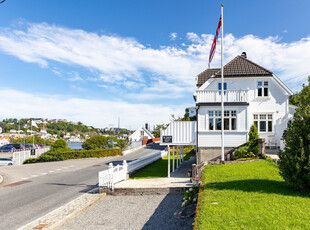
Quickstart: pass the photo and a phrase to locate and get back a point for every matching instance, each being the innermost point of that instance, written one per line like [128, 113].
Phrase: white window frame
[262, 87]
[267, 119]
[217, 115]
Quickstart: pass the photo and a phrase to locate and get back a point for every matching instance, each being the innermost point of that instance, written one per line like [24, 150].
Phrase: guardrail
[114, 174]
[20, 156]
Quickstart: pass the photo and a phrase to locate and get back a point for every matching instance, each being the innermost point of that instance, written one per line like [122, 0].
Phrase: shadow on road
[87, 188]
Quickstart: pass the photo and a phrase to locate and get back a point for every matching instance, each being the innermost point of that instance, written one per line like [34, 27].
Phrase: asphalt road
[33, 198]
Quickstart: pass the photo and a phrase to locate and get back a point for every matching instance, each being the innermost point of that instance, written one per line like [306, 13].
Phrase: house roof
[205, 75]
[238, 67]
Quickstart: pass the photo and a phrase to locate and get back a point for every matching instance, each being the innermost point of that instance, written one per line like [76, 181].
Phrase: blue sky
[95, 61]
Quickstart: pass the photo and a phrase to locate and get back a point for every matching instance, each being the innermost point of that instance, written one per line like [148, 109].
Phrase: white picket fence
[114, 174]
[20, 156]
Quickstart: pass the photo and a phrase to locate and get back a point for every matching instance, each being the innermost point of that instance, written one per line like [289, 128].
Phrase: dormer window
[262, 88]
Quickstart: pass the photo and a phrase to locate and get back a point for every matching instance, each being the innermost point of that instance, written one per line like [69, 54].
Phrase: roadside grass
[249, 196]
[160, 168]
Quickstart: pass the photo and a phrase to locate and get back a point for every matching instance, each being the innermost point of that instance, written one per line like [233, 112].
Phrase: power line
[2, 1]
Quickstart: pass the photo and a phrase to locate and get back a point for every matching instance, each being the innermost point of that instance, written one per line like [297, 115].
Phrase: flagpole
[222, 89]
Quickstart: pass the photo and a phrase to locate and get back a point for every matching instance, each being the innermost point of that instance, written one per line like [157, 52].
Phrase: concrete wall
[206, 154]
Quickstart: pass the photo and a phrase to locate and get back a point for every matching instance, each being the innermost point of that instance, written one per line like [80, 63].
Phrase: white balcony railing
[215, 96]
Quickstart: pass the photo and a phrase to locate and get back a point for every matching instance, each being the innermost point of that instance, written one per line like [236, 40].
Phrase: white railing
[215, 96]
[114, 174]
[20, 156]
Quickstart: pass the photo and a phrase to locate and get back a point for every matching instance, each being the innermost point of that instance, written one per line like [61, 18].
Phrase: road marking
[64, 167]
[58, 169]
[17, 183]
[34, 175]
[51, 171]
[71, 165]
[25, 178]
[43, 173]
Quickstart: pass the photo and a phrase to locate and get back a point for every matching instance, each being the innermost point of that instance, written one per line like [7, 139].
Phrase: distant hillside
[59, 127]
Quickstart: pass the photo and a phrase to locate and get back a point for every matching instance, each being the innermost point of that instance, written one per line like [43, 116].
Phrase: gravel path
[131, 213]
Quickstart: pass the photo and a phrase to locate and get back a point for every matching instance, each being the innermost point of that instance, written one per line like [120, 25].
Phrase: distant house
[0, 130]
[141, 134]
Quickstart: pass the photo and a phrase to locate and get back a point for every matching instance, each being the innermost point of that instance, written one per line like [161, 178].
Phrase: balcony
[230, 97]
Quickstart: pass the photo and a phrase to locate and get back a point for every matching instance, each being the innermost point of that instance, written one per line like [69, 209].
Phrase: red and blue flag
[213, 47]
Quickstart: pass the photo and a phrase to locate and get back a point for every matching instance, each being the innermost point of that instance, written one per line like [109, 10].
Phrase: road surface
[37, 194]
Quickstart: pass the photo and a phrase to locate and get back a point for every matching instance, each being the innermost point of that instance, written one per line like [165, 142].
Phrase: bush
[253, 141]
[250, 150]
[78, 154]
[294, 161]
[190, 196]
[60, 145]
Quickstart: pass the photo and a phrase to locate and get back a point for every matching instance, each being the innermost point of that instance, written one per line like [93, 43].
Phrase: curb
[59, 216]
[1, 179]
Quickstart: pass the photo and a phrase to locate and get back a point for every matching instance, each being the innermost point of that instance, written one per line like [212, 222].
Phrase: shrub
[253, 140]
[190, 196]
[60, 145]
[242, 152]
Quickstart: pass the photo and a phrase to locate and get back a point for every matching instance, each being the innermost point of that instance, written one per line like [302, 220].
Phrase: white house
[140, 134]
[252, 95]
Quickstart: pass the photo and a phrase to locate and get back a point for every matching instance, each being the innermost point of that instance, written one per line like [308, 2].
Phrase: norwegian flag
[213, 47]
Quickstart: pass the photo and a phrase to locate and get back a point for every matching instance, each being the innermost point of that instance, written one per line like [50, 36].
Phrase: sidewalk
[177, 183]
[139, 210]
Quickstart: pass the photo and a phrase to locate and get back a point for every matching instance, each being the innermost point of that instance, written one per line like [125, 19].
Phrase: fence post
[173, 159]
[125, 167]
[110, 167]
[168, 161]
[177, 156]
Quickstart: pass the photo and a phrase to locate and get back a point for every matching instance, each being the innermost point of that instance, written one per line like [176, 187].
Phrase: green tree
[95, 142]
[294, 161]
[156, 131]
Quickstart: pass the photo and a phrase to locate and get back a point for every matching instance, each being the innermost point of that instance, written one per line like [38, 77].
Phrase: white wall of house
[139, 134]
[275, 105]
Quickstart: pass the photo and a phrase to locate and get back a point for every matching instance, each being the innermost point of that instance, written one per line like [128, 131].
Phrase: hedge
[77, 154]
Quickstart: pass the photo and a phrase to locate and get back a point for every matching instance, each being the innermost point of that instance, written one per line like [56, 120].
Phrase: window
[215, 120]
[220, 87]
[262, 89]
[263, 122]
[142, 133]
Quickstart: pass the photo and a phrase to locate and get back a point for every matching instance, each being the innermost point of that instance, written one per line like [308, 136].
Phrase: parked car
[7, 148]
[18, 147]
[6, 161]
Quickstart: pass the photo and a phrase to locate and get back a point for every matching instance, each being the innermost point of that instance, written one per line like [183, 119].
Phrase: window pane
[270, 116]
[260, 91]
[266, 92]
[256, 124]
[255, 116]
[218, 124]
[211, 123]
[262, 126]
[225, 86]
[269, 126]
[262, 116]
[218, 113]
[265, 83]
[259, 83]
[226, 113]
[219, 86]
[211, 113]
[233, 124]
[226, 124]
[233, 113]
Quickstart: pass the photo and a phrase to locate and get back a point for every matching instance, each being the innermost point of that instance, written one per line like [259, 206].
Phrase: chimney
[147, 126]
[243, 55]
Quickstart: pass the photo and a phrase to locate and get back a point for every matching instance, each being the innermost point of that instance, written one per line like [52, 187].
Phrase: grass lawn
[160, 168]
[250, 196]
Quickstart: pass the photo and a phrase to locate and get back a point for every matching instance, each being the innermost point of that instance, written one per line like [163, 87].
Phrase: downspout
[197, 108]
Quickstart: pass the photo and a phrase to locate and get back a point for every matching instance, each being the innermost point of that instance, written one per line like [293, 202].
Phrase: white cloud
[173, 36]
[98, 113]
